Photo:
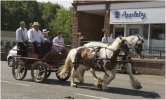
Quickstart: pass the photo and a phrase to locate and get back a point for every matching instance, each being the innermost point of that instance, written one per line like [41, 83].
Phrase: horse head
[124, 45]
[139, 45]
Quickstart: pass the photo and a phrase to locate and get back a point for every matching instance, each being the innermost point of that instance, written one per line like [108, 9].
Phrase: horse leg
[113, 73]
[107, 78]
[73, 75]
[98, 82]
[133, 81]
[80, 72]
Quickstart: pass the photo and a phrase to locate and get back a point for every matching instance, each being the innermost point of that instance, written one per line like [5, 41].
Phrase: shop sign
[129, 15]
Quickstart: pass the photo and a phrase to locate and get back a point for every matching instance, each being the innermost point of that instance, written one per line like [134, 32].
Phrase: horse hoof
[139, 87]
[74, 85]
[104, 88]
[81, 83]
[99, 85]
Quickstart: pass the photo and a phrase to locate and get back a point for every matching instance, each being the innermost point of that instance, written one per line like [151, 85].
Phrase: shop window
[157, 31]
[8, 43]
[145, 31]
[134, 31]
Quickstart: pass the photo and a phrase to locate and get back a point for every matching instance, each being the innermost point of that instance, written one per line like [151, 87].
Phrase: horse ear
[138, 36]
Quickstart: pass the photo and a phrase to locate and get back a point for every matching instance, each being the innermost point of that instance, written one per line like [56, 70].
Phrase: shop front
[146, 19]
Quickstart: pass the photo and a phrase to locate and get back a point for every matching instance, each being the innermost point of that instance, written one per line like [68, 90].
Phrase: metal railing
[157, 52]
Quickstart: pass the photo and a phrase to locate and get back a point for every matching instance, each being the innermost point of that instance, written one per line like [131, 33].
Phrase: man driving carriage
[36, 38]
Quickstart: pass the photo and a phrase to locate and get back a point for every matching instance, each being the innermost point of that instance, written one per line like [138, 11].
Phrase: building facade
[8, 38]
[125, 18]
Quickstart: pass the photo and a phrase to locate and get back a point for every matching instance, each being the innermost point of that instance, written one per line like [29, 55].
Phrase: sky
[64, 3]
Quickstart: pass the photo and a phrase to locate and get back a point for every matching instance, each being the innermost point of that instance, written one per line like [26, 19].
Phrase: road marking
[15, 83]
[91, 96]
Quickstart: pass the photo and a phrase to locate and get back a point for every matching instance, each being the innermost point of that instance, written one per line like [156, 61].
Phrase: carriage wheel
[48, 74]
[38, 71]
[63, 77]
[48, 70]
[19, 70]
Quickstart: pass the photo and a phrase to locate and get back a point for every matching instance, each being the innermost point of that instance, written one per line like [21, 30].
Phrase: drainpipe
[149, 36]
[125, 30]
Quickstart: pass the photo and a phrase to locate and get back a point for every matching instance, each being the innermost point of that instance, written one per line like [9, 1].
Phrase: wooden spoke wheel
[38, 71]
[63, 77]
[19, 70]
[48, 74]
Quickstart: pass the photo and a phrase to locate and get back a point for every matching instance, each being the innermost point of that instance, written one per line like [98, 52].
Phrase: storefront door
[119, 31]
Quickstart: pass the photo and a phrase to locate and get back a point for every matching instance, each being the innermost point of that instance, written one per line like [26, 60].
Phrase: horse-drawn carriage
[40, 66]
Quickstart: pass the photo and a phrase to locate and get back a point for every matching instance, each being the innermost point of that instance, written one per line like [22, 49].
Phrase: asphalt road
[119, 88]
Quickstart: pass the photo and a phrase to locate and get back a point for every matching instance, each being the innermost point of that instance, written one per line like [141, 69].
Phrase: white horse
[136, 44]
[107, 60]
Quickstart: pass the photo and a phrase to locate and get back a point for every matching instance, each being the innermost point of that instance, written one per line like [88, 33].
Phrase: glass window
[157, 31]
[133, 31]
[145, 31]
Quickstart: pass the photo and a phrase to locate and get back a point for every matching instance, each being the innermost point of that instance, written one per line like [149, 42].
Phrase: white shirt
[107, 39]
[57, 41]
[34, 35]
[21, 35]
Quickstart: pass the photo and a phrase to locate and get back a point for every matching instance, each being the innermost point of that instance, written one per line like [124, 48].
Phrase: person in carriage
[36, 39]
[58, 44]
[22, 39]
[47, 41]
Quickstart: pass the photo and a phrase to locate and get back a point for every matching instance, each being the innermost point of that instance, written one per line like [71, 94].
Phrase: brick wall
[149, 66]
[89, 25]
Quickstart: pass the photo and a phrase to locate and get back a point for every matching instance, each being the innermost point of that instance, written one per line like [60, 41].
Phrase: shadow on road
[115, 90]
[51, 82]
[122, 91]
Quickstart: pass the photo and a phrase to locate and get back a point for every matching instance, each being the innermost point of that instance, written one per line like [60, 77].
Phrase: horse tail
[67, 66]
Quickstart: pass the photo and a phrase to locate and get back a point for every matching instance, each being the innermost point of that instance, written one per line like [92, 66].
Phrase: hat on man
[36, 24]
[45, 30]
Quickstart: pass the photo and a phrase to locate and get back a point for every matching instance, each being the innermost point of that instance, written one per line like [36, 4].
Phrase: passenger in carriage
[47, 40]
[58, 43]
[30, 26]
[22, 39]
[36, 38]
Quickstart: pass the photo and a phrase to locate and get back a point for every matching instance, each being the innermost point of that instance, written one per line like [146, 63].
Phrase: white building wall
[155, 14]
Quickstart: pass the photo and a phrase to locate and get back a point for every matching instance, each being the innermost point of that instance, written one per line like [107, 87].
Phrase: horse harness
[94, 63]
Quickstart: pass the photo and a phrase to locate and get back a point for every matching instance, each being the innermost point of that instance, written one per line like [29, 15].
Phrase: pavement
[52, 88]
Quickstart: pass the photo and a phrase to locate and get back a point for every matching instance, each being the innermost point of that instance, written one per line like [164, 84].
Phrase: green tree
[49, 11]
[34, 13]
[12, 13]
[62, 22]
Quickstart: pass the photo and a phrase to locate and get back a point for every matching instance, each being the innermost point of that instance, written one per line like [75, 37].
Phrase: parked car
[10, 58]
